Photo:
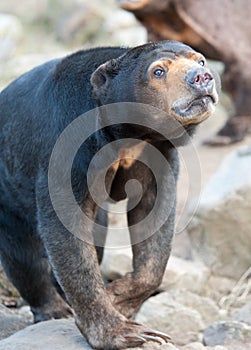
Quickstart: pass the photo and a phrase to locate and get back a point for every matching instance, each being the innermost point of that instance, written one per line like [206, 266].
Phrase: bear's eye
[159, 72]
[202, 62]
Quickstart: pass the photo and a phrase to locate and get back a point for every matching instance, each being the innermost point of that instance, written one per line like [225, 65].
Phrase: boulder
[185, 274]
[164, 313]
[221, 229]
[218, 286]
[63, 334]
[55, 334]
[229, 333]
[206, 307]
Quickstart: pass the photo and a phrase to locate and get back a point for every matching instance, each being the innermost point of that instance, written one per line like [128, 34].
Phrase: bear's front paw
[120, 335]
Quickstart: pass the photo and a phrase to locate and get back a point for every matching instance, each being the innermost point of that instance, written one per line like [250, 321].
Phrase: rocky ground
[204, 301]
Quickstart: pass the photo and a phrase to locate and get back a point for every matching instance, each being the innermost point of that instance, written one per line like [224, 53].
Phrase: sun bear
[55, 270]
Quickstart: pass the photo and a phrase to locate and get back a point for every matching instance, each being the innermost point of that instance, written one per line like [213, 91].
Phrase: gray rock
[206, 307]
[218, 286]
[185, 274]
[55, 334]
[11, 322]
[243, 314]
[228, 333]
[221, 229]
[164, 313]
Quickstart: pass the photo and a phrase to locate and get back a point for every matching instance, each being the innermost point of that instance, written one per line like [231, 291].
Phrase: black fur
[34, 110]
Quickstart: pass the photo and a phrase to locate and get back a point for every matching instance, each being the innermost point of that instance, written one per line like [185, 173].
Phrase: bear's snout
[201, 80]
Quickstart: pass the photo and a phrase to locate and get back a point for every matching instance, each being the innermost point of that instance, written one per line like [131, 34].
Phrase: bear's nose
[200, 79]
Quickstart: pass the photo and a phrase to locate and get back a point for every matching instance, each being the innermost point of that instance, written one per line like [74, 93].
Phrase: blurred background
[34, 31]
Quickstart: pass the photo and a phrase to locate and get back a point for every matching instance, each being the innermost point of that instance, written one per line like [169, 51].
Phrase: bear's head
[168, 75]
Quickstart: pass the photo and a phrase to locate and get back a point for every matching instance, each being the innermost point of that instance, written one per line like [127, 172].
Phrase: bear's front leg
[149, 262]
[151, 244]
[75, 265]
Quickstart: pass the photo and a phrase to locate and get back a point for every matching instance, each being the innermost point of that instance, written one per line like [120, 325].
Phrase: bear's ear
[101, 76]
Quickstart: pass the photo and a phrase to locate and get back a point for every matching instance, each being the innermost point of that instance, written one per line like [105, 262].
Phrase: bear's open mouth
[197, 106]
